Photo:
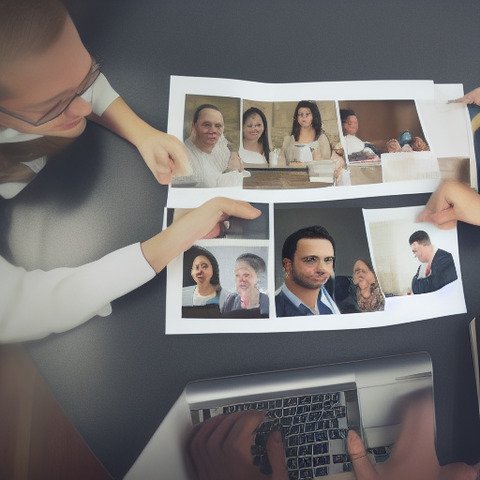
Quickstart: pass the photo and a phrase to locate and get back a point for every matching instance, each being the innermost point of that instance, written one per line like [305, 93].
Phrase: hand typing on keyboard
[220, 449]
[413, 455]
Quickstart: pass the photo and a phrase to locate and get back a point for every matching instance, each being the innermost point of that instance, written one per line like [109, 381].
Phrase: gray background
[345, 225]
[116, 378]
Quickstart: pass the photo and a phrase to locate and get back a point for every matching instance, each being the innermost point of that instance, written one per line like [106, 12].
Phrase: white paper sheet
[402, 308]
[446, 128]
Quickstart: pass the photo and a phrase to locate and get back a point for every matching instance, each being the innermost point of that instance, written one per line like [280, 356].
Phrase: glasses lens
[62, 105]
[58, 109]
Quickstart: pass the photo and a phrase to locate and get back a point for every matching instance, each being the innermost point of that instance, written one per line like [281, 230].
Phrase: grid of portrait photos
[369, 140]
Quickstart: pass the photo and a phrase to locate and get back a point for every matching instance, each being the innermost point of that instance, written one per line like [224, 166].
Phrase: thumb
[276, 456]
[445, 219]
[425, 215]
[358, 455]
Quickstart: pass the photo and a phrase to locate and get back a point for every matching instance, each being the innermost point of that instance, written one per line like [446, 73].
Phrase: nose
[323, 267]
[78, 108]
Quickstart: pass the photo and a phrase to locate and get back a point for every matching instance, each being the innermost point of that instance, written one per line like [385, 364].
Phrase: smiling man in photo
[308, 257]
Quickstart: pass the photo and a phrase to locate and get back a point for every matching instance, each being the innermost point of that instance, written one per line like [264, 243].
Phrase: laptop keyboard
[314, 429]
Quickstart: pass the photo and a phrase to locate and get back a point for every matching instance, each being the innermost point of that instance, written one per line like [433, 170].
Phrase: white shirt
[355, 145]
[209, 169]
[252, 158]
[37, 303]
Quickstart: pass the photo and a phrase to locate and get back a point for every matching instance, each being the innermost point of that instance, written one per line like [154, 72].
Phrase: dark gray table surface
[117, 377]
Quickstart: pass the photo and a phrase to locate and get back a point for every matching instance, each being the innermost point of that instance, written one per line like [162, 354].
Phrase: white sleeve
[100, 95]
[37, 303]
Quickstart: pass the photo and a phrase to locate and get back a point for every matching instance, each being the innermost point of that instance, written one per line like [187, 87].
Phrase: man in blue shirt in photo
[308, 257]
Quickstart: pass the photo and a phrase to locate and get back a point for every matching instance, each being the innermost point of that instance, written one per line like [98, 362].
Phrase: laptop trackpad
[380, 436]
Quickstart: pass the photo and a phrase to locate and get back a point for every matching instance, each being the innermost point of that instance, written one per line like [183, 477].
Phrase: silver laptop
[313, 407]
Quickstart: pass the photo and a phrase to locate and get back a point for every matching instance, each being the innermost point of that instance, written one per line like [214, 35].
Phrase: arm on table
[197, 223]
[34, 304]
[164, 154]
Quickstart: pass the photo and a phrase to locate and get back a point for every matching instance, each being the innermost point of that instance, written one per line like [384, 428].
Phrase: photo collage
[304, 154]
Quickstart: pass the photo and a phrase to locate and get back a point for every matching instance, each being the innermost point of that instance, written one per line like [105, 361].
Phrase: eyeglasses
[64, 103]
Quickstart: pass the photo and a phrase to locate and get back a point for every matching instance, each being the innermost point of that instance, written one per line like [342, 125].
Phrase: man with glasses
[49, 85]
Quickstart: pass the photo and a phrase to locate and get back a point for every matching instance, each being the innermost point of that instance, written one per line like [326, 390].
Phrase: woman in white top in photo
[255, 148]
[307, 140]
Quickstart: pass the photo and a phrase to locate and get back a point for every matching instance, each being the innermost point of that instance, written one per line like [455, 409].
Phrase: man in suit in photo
[437, 267]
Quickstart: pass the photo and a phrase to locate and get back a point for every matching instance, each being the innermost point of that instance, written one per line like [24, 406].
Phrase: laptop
[313, 407]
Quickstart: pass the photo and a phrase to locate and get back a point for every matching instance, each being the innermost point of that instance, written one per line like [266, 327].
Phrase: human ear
[287, 266]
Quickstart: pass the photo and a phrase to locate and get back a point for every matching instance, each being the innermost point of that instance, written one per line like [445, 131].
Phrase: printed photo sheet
[407, 138]
[377, 238]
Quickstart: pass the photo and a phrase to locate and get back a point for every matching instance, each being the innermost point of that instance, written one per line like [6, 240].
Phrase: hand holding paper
[470, 97]
[198, 223]
[452, 201]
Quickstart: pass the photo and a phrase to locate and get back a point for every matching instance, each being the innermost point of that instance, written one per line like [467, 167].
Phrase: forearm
[34, 304]
[181, 235]
[111, 111]
[196, 224]
[122, 120]
[164, 154]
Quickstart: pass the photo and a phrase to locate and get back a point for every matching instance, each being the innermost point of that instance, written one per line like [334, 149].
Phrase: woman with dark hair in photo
[206, 275]
[365, 294]
[255, 148]
[248, 267]
[307, 140]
